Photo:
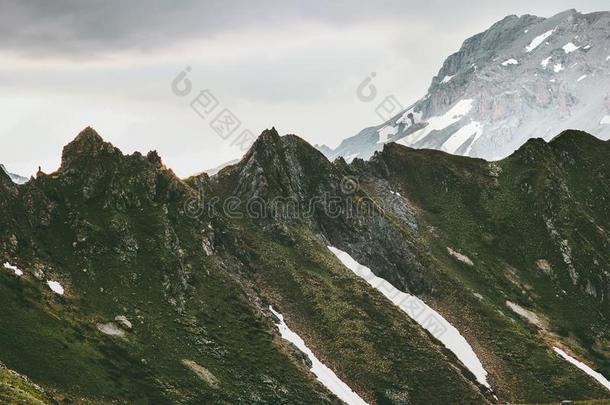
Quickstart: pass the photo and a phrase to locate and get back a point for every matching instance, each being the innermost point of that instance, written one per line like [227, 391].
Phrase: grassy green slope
[498, 215]
[115, 239]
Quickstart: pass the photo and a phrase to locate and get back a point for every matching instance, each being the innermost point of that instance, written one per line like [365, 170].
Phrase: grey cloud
[65, 27]
[40, 28]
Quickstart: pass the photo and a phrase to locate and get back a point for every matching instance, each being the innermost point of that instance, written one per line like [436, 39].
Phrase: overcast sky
[292, 65]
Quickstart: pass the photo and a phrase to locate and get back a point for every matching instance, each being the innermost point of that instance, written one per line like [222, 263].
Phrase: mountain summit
[523, 77]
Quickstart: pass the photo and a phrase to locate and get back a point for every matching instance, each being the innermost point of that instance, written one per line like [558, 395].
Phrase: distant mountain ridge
[17, 179]
[524, 77]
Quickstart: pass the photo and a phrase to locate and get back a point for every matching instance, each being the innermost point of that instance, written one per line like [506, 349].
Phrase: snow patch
[583, 77]
[18, 272]
[421, 313]
[538, 40]
[436, 123]
[558, 67]
[510, 61]
[110, 329]
[587, 47]
[462, 135]
[588, 370]
[404, 119]
[529, 315]
[570, 47]
[446, 79]
[605, 120]
[324, 374]
[55, 287]
[545, 62]
[386, 132]
[462, 258]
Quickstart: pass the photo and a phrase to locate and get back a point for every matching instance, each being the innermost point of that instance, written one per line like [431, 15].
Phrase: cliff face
[167, 282]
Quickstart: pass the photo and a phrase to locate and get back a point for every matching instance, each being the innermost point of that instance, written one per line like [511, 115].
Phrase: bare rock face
[524, 77]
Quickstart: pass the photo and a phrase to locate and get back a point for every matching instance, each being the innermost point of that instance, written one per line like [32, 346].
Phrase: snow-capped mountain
[524, 77]
[17, 179]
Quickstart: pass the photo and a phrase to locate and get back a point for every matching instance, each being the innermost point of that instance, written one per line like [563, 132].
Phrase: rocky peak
[280, 166]
[88, 145]
[523, 77]
[267, 146]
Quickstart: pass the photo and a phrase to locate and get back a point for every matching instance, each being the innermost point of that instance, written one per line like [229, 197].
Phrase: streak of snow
[446, 79]
[538, 40]
[324, 374]
[510, 61]
[570, 47]
[18, 272]
[55, 287]
[421, 313]
[583, 77]
[459, 110]
[588, 370]
[462, 135]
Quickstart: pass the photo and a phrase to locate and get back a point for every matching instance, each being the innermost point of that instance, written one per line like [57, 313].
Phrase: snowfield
[421, 313]
[324, 374]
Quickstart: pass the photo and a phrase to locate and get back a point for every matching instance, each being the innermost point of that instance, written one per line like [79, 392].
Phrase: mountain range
[525, 77]
[15, 178]
[414, 277]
